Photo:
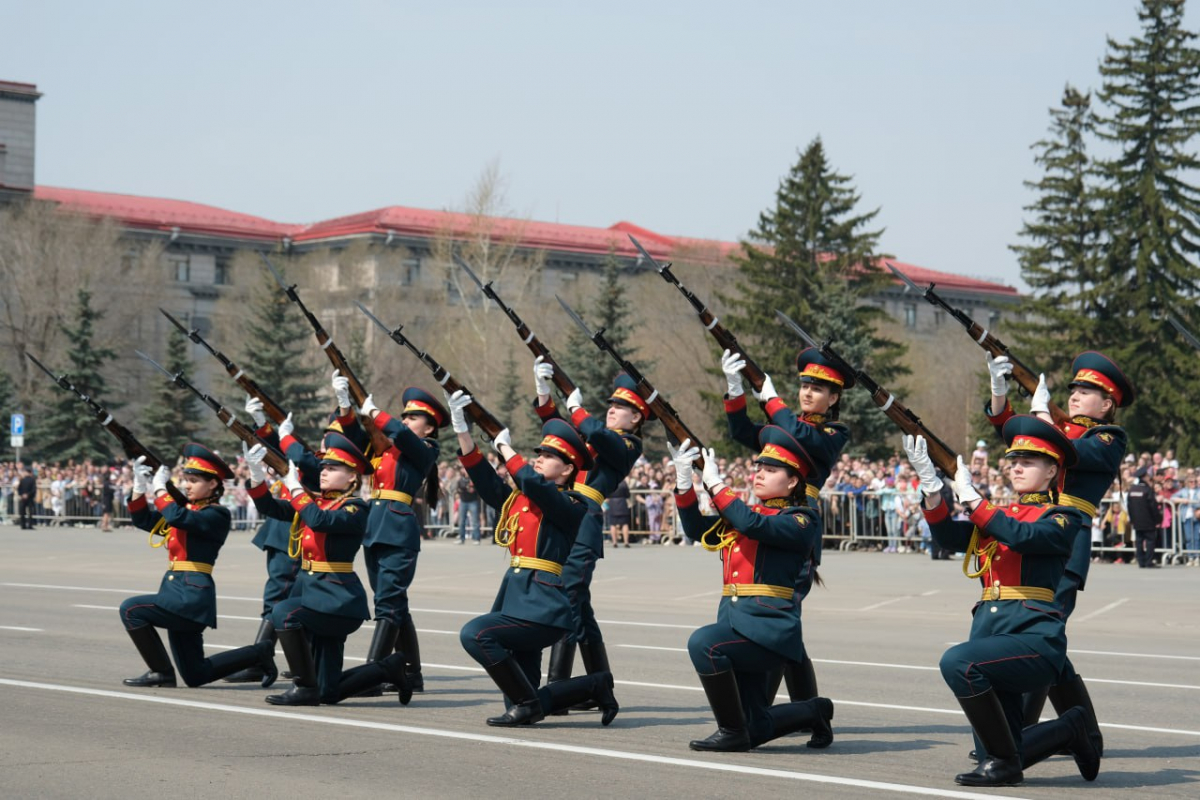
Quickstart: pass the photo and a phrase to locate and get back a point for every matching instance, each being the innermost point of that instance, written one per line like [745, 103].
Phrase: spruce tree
[813, 257]
[1152, 212]
[66, 429]
[279, 345]
[593, 371]
[1061, 256]
[174, 415]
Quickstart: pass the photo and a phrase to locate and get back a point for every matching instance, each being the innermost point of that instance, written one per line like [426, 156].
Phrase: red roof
[160, 214]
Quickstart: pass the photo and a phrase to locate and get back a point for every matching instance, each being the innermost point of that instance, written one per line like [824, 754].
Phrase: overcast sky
[680, 117]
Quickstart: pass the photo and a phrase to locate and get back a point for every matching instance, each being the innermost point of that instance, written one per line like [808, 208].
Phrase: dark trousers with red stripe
[326, 632]
[719, 648]
[494, 637]
[186, 636]
[1009, 664]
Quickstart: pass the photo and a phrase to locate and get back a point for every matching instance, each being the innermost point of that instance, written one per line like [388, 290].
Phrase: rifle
[274, 459]
[905, 419]
[1192, 340]
[725, 339]
[270, 407]
[129, 443]
[379, 441]
[675, 426]
[1022, 374]
[561, 379]
[482, 417]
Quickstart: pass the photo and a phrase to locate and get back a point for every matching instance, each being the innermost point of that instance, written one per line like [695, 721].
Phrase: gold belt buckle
[996, 591]
[516, 563]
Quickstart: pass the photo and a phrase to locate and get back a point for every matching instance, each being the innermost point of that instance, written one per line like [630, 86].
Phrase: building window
[410, 274]
[181, 267]
[938, 318]
[221, 271]
[910, 315]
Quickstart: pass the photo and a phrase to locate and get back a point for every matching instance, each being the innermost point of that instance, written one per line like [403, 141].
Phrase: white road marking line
[713, 593]
[651, 647]
[1100, 611]
[930, 593]
[508, 741]
[19, 628]
[1071, 650]
[883, 603]
[366, 625]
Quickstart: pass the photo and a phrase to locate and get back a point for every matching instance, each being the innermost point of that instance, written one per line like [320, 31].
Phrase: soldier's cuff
[578, 416]
[382, 419]
[301, 500]
[261, 490]
[514, 464]
[162, 502]
[983, 514]
[724, 497]
[686, 499]
[470, 459]
[138, 503]
[735, 404]
[546, 411]
[775, 405]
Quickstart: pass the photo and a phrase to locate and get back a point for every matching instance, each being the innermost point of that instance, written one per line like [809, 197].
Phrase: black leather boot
[526, 708]
[259, 656]
[811, 715]
[411, 648]
[299, 655]
[354, 681]
[151, 649]
[562, 661]
[1070, 731]
[774, 679]
[255, 673]
[801, 680]
[595, 659]
[383, 642]
[1002, 766]
[1074, 693]
[726, 703]
[596, 687]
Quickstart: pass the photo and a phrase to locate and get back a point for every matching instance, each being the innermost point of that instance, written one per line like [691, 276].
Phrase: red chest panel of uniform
[525, 520]
[1073, 431]
[1006, 563]
[385, 472]
[740, 559]
[312, 543]
[177, 539]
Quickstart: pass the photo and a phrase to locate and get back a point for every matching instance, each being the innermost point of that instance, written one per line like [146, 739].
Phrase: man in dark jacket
[1145, 515]
[26, 497]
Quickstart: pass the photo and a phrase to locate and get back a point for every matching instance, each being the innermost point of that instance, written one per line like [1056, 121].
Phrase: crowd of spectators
[874, 502]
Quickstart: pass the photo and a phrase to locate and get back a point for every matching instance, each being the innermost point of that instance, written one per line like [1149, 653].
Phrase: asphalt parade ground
[876, 632]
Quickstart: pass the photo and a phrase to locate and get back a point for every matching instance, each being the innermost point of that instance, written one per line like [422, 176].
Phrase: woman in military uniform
[615, 445]
[393, 539]
[186, 602]
[818, 431]
[537, 524]
[330, 602]
[1018, 635]
[763, 550]
[1098, 389]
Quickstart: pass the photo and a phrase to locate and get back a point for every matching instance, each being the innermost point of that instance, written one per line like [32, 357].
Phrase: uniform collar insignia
[815, 419]
[1085, 422]
[776, 502]
[1034, 498]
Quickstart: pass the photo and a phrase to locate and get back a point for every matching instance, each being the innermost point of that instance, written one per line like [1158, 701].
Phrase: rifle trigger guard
[240, 373]
[891, 399]
[982, 336]
[528, 338]
[712, 324]
[107, 420]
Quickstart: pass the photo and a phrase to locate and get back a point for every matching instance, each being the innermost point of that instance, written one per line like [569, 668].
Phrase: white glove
[292, 479]
[711, 476]
[159, 484]
[141, 475]
[1040, 404]
[767, 392]
[1000, 369]
[504, 437]
[918, 455]
[368, 407]
[732, 365]
[286, 427]
[964, 490]
[683, 457]
[458, 403]
[543, 373]
[574, 400]
[341, 389]
[254, 407]
[254, 462]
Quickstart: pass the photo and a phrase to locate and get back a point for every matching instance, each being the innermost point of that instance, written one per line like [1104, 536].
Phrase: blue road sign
[18, 425]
